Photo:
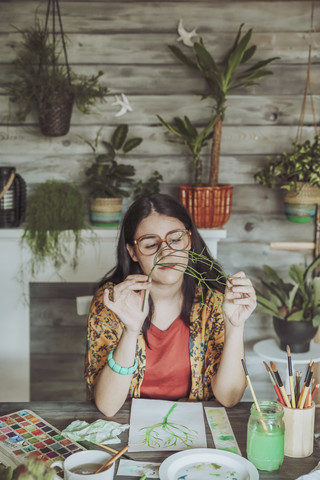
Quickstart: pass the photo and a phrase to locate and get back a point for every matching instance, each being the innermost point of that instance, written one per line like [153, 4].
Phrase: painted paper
[221, 429]
[166, 425]
[132, 468]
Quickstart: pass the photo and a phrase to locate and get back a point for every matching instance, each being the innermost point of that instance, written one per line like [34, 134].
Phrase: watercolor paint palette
[25, 433]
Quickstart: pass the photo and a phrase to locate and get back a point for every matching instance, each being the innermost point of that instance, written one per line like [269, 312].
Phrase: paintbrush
[297, 389]
[305, 391]
[250, 385]
[275, 386]
[253, 394]
[293, 399]
[304, 384]
[112, 450]
[314, 391]
[279, 381]
[112, 460]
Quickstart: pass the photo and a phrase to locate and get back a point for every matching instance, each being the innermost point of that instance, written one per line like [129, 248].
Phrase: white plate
[207, 464]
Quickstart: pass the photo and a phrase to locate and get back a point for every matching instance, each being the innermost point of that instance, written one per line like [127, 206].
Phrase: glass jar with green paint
[265, 436]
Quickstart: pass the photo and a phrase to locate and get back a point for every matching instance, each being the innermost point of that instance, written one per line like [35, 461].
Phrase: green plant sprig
[201, 278]
[174, 431]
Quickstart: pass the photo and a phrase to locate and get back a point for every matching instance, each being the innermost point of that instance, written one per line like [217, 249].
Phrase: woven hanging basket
[209, 207]
[307, 194]
[55, 118]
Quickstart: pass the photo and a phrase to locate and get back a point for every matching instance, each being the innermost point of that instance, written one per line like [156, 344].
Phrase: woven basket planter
[210, 207]
[301, 206]
[105, 211]
[55, 117]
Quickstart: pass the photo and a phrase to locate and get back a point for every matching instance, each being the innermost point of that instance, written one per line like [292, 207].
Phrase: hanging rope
[307, 89]
[54, 4]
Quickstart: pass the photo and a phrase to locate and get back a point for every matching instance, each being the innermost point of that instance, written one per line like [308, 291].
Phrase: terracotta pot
[210, 207]
[105, 211]
[295, 334]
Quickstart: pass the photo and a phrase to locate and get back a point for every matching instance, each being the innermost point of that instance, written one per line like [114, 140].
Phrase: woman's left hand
[239, 299]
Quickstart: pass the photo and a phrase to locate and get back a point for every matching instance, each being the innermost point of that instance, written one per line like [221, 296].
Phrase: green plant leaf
[192, 131]
[169, 127]
[316, 321]
[292, 296]
[264, 302]
[119, 136]
[308, 272]
[131, 144]
[235, 56]
[182, 57]
[296, 316]
[205, 61]
[248, 53]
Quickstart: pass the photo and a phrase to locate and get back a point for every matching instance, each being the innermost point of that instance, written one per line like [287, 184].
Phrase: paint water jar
[265, 436]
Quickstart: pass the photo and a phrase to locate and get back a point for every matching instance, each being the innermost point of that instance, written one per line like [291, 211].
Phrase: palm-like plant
[230, 75]
[195, 139]
[294, 301]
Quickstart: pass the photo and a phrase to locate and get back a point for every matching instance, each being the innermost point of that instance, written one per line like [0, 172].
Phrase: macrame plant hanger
[55, 121]
[308, 94]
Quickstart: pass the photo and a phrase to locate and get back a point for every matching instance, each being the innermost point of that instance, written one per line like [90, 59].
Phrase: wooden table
[60, 414]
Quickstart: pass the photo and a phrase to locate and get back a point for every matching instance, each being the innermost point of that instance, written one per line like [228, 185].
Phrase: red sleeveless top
[168, 372]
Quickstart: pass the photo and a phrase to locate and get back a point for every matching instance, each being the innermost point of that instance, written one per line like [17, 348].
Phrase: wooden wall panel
[127, 40]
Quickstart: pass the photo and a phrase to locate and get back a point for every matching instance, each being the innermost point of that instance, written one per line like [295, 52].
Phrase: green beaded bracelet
[121, 370]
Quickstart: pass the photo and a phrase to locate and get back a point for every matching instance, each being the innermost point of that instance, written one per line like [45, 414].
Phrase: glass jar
[265, 436]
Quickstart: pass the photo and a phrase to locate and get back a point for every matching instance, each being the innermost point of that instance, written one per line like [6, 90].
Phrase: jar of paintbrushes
[265, 432]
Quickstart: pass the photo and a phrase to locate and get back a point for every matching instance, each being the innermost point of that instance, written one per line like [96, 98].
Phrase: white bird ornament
[185, 36]
[123, 101]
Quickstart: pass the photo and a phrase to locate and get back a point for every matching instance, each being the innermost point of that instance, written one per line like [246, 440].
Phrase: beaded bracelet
[121, 370]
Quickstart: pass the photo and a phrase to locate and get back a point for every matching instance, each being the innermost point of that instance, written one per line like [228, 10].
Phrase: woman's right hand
[128, 297]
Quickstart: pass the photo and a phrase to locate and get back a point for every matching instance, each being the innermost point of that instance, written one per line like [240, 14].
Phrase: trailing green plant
[301, 164]
[203, 279]
[232, 73]
[195, 139]
[40, 79]
[56, 214]
[147, 187]
[106, 177]
[32, 469]
[297, 300]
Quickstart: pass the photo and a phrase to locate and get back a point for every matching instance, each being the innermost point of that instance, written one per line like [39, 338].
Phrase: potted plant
[298, 172]
[229, 75]
[56, 214]
[107, 179]
[150, 186]
[294, 305]
[45, 84]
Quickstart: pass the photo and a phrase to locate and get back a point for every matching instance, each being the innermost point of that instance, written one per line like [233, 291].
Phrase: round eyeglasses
[175, 240]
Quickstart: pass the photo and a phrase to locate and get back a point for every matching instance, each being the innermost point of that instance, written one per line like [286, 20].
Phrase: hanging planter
[44, 81]
[301, 205]
[55, 116]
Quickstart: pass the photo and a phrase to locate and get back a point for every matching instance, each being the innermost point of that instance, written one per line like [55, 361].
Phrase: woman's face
[161, 225]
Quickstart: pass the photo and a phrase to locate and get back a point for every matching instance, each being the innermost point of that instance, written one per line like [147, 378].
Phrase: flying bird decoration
[186, 37]
[123, 102]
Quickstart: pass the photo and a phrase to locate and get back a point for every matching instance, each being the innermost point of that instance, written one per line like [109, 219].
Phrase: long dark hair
[169, 206]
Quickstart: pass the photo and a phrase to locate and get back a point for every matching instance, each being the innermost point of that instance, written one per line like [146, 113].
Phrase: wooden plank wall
[127, 40]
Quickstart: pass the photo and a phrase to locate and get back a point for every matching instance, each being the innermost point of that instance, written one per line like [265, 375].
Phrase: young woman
[171, 346]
